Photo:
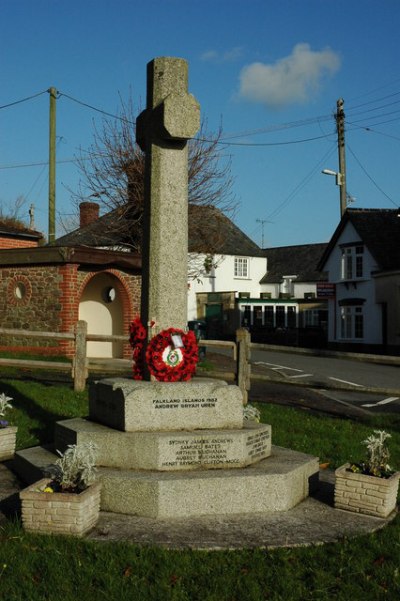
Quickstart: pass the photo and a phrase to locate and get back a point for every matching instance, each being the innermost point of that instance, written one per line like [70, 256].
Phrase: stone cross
[171, 117]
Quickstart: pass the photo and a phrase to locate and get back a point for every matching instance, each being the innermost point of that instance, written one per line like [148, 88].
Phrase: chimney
[88, 212]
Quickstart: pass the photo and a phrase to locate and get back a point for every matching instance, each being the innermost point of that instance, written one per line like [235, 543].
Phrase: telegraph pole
[52, 165]
[342, 157]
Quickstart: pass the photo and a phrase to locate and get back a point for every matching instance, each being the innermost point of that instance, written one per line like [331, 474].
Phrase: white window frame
[351, 320]
[242, 268]
[352, 267]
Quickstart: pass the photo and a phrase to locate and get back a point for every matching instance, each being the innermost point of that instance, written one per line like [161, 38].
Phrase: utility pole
[341, 177]
[52, 164]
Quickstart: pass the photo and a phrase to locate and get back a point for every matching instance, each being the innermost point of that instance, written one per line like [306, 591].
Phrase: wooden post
[243, 361]
[79, 367]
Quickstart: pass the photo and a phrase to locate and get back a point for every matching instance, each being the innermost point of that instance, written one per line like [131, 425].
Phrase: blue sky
[269, 71]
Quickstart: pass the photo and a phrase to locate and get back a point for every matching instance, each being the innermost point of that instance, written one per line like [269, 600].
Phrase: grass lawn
[34, 567]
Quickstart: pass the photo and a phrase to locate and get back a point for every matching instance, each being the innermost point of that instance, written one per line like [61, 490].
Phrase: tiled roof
[300, 260]
[9, 228]
[379, 229]
[210, 231]
[109, 230]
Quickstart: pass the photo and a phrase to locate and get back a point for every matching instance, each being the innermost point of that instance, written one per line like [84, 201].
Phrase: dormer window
[352, 262]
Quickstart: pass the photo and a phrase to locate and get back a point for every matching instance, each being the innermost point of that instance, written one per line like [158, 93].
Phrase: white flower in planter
[75, 469]
[4, 405]
[251, 413]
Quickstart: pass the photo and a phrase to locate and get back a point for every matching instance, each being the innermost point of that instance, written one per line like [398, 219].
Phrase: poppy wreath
[137, 338]
[168, 363]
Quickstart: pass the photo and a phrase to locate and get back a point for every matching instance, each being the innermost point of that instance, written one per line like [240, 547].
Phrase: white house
[232, 281]
[363, 264]
[269, 291]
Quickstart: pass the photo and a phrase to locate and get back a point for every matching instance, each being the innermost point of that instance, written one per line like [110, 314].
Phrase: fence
[81, 365]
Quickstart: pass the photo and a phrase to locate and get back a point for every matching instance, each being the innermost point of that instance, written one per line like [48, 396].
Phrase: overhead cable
[371, 179]
[5, 106]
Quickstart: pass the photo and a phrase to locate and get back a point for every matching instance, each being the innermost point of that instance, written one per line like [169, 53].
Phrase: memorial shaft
[171, 117]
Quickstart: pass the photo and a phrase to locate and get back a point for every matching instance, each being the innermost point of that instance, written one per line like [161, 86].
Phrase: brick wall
[17, 243]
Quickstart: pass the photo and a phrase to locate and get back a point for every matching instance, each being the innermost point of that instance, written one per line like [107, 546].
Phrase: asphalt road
[328, 371]
[337, 386]
[339, 403]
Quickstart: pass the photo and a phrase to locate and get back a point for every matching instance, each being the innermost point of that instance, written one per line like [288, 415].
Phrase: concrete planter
[365, 494]
[7, 442]
[60, 512]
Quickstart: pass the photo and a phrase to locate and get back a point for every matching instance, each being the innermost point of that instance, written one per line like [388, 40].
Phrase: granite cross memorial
[181, 449]
[171, 118]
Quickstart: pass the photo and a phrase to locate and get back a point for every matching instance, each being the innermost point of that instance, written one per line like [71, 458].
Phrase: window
[352, 262]
[311, 318]
[291, 317]
[352, 322]
[109, 294]
[257, 314]
[288, 286]
[280, 316]
[265, 295]
[241, 267]
[246, 315]
[244, 294]
[269, 316]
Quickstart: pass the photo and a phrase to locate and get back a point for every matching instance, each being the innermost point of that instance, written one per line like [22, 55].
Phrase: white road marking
[275, 367]
[383, 402]
[346, 382]
[299, 376]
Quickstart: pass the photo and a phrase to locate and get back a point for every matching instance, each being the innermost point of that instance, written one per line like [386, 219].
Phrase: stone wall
[30, 300]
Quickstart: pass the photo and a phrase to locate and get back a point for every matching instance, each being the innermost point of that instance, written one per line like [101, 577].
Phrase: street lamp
[338, 176]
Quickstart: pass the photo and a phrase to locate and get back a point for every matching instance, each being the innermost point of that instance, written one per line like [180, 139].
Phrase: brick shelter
[15, 235]
[50, 288]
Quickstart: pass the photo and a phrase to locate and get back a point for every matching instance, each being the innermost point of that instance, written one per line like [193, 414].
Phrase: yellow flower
[48, 489]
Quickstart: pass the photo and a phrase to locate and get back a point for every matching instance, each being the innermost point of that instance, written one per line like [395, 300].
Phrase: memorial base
[277, 483]
[179, 450]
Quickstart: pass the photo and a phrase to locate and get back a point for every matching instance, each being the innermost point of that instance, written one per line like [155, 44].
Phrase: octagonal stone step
[277, 483]
[169, 450]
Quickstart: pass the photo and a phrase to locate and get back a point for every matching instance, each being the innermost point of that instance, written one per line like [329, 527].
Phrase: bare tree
[112, 174]
[10, 213]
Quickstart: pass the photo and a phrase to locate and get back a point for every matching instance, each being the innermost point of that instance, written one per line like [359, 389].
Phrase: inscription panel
[231, 450]
[185, 403]
[160, 406]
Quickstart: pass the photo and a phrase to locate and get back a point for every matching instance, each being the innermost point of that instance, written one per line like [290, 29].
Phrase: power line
[299, 186]
[5, 106]
[38, 164]
[93, 108]
[255, 144]
[371, 178]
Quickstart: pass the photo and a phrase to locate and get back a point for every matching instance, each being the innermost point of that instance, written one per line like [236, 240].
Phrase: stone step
[133, 406]
[277, 483]
[169, 451]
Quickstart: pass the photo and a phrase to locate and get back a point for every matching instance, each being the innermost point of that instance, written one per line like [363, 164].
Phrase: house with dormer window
[362, 261]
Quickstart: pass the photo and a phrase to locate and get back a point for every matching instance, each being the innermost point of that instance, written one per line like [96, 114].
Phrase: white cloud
[292, 79]
[210, 55]
[222, 57]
